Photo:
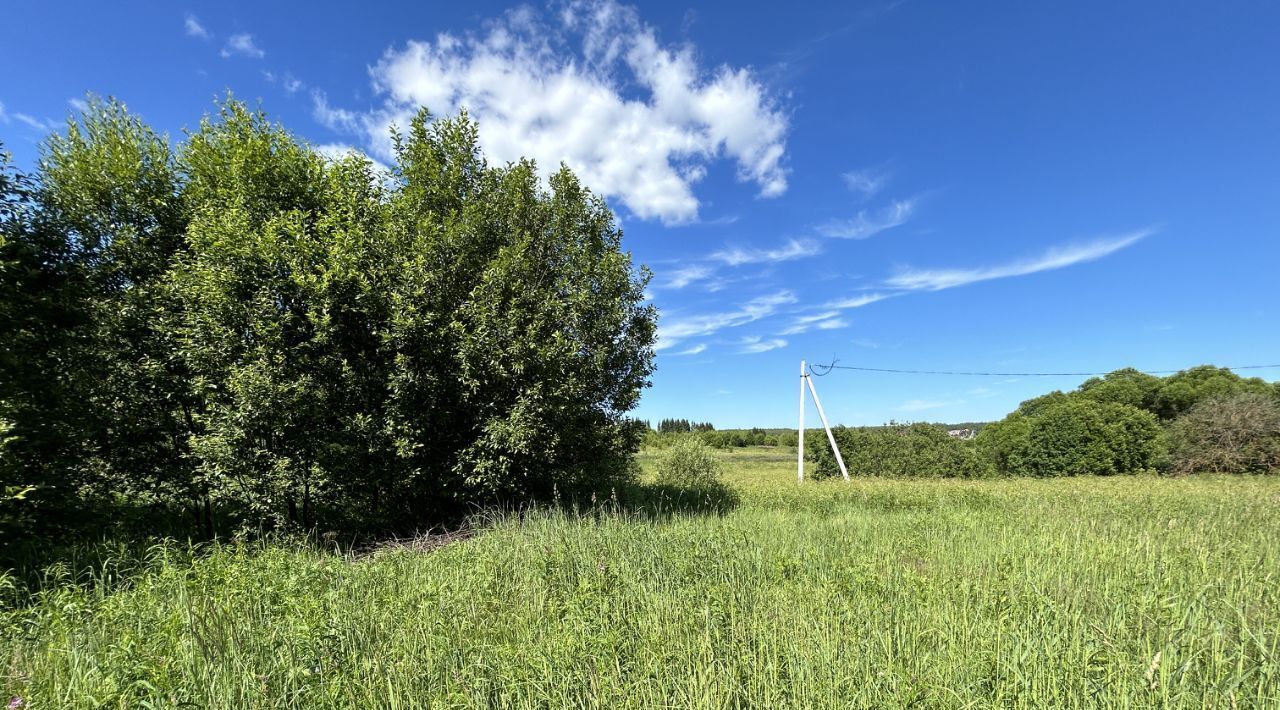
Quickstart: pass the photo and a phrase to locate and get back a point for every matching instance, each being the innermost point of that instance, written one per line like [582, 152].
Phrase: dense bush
[738, 438]
[239, 324]
[896, 451]
[1124, 386]
[1236, 433]
[1180, 392]
[724, 438]
[1112, 425]
[1073, 436]
[689, 464]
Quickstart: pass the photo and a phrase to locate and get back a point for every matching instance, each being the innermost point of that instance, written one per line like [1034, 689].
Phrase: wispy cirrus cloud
[793, 249]
[868, 223]
[693, 350]
[826, 320]
[684, 276]
[194, 29]
[291, 83]
[41, 125]
[721, 221]
[866, 182]
[911, 279]
[242, 45]
[755, 344]
[677, 330]
[864, 299]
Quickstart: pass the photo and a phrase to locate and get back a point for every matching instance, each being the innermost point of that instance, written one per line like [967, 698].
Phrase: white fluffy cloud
[592, 87]
[336, 151]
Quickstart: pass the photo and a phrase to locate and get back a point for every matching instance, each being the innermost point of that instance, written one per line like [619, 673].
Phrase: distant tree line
[682, 426]
[237, 328]
[719, 438]
[1203, 419]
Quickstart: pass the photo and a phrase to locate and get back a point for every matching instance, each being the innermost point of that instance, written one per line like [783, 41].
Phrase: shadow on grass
[110, 558]
[663, 501]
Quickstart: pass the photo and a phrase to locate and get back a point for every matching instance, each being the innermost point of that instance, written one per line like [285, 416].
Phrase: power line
[826, 370]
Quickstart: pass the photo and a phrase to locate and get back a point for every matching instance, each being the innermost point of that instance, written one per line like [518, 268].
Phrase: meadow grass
[1085, 592]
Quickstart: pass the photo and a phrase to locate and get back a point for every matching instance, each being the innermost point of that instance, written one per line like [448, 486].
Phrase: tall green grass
[1092, 592]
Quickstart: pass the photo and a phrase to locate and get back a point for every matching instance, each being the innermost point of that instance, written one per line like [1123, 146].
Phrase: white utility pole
[800, 431]
[823, 415]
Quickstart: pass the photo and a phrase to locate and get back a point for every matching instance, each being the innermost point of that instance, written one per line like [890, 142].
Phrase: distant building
[962, 433]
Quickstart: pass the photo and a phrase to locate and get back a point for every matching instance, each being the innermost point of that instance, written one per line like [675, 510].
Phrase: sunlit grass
[1030, 593]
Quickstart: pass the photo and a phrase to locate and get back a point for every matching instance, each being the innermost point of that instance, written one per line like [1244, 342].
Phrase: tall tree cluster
[239, 325]
[682, 426]
[1204, 418]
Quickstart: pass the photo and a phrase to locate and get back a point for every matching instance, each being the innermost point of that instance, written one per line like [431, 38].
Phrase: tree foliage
[1124, 386]
[689, 464]
[1073, 436]
[1180, 392]
[241, 325]
[1080, 436]
[895, 451]
[682, 426]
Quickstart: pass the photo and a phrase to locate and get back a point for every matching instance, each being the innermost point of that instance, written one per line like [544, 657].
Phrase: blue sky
[1011, 186]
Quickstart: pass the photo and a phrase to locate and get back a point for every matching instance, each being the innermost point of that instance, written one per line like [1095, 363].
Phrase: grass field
[1089, 592]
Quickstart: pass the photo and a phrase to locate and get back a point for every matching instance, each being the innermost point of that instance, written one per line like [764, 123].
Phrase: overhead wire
[819, 370]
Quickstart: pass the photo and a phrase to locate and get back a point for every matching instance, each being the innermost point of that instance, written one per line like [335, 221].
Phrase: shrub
[1005, 444]
[689, 464]
[1074, 436]
[1180, 392]
[1238, 433]
[896, 451]
[1124, 386]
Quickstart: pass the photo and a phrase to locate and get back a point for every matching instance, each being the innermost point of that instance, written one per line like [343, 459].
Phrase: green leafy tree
[246, 315]
[1006, 444]
[1181, 391]
[244, 326]
[1074, 436]
[1035, 405]
[109, 188]
[896, 451]
[463, 335]
[1124, 386]
[38, 312]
